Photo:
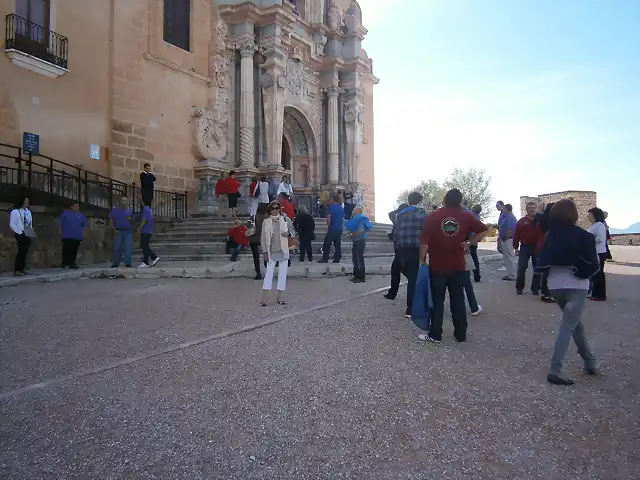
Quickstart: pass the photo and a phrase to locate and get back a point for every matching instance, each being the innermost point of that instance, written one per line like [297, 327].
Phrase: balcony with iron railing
[35, 47]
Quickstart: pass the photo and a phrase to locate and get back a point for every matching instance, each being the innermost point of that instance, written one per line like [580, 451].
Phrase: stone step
[190, 226]
[204, 236]
[214, 249]
[204, 258]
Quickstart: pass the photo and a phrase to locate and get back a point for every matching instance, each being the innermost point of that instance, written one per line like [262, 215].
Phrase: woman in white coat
[286, 187]
[276, 231]
[21, 225]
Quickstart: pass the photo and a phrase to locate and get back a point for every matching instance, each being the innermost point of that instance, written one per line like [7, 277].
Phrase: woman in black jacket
[254, 234]
[569, 257]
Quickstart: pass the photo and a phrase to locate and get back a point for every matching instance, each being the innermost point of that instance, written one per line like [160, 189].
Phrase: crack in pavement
[181, 346]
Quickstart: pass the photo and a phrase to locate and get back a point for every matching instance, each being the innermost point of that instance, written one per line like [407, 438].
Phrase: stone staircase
[202, 239]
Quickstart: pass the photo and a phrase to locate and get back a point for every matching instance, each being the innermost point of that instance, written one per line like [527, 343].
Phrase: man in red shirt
[445, 236]
[237, 239]
[526, 236]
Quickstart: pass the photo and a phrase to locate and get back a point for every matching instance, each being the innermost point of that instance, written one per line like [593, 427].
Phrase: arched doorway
[286, 153]
[299, 147]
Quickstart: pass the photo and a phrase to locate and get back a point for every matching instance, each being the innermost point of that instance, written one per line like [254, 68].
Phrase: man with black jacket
[147, 179]
[396, 269]
[306, 228]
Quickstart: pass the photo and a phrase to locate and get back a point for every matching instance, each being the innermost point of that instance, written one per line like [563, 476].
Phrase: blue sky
[542, 94]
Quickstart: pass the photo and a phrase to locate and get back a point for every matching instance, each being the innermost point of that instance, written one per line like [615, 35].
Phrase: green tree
[431, 191]
[475, 185]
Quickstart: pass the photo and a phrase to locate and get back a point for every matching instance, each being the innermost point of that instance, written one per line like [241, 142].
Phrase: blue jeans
[357, 253]
[571, 302]
[123, 240]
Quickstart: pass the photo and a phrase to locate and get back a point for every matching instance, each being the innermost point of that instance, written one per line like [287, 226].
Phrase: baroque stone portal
[284, 102]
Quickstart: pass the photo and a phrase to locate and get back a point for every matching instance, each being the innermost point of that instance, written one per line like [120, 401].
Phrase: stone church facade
[291, 87]
[197, 88]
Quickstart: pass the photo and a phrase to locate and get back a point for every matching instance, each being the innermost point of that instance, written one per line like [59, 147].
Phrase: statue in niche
[335, 16]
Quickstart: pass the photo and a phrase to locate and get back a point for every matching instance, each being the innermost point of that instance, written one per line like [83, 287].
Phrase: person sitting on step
[237, 240]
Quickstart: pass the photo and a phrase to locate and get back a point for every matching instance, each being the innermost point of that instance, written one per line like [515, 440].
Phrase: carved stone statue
[295, 77]
[335, 17]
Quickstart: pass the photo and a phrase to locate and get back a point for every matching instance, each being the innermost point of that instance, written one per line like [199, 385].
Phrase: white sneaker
[502, 269]
[143, 265]
[155, 262]
[426, 338]
[478, 312]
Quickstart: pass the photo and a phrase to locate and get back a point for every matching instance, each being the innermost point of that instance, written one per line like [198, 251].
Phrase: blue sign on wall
[31, 143]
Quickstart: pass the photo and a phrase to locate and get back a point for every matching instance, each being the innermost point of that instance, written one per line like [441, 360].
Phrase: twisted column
[247, 125]
[332, 135]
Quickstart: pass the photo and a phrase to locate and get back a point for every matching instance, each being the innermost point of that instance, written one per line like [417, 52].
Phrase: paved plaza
[175, 378]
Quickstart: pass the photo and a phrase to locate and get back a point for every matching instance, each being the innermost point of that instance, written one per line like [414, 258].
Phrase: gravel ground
[346, 391]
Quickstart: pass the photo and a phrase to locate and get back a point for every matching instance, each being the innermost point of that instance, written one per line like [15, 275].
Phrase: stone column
[353, 117]
[247, 112]
[333, 149]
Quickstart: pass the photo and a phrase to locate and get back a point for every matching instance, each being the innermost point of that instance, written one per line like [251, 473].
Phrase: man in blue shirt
[358, 225]
[72, 225]
[335, 225]
[146, 230]
[121, 218]
[505, 234]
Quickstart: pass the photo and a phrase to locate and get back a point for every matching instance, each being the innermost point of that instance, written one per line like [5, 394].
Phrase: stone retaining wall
[625, 239]
[45, 250]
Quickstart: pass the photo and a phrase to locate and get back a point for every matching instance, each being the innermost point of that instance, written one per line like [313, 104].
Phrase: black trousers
[69, 252]
[544, 287]
[147, 253]
[305, 249]
[599, 281]
[409, 259]
[147, 195]
[357, 253]
[396, 272]
[335, 239]
[453, 282]
[255, 253]
[23, 249]
[527, 252]
[473, 250]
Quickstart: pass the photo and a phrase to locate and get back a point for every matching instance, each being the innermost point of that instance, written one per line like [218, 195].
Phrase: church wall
[69, 112]
[155, 87]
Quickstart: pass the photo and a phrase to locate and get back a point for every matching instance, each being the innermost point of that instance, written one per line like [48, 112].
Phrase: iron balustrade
[33, 39]
[75, 184]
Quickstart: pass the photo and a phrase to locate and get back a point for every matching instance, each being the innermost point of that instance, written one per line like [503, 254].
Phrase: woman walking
[543, 222]
[599, 230]
[569, 256]
[21, 224]
[276, 231]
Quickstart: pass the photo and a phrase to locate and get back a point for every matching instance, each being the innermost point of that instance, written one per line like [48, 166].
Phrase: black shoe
[547, 299]
[128, 266]
[535, 293]
[323, 261]
[388, 296]
[114, 266]
[258, 277]
[357, 280]
[407, 314]
[519, 292]
[73, 267]
[556, 380]
[336, 261]
[63, 265]
[591, 371]
[477, 280]
[508, 279]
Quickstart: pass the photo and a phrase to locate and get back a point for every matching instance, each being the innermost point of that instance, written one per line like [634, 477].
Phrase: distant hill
[635, 228]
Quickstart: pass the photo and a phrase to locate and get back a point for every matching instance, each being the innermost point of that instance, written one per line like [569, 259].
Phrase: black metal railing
[33, 39]
[71, 183]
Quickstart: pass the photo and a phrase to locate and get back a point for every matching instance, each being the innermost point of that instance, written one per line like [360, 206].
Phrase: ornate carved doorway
[298, 148]
[285, 161]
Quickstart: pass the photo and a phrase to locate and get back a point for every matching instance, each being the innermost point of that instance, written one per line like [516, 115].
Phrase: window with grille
[177, 23]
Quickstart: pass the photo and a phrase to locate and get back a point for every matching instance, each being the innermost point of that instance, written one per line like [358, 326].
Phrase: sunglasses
[274, 208]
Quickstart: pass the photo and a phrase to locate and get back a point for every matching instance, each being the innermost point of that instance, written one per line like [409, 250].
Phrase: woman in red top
[232, 187]
[286, 206]
[221, 185]
[237, 240]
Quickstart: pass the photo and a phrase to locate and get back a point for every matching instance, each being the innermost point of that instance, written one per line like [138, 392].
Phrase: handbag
[256, 191]
[27, 229]
[292, 242]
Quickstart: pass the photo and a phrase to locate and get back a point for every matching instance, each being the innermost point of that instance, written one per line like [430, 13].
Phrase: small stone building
[584, 201]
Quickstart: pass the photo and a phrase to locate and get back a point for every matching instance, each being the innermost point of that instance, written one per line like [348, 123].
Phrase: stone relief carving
[247, 49]
[266, 80]
[212, 123]
[294, 76]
